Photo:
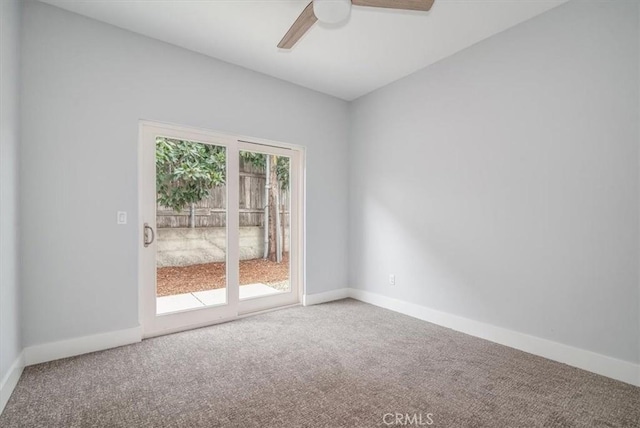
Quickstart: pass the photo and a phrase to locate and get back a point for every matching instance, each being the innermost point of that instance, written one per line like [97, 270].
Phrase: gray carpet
[341, 364]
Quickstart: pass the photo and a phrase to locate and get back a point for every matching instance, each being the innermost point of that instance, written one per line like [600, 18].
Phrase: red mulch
[187, 279]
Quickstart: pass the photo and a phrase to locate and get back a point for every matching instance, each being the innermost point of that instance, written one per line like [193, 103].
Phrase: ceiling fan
[334, 11]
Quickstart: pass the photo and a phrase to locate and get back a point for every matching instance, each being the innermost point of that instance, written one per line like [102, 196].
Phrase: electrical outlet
[392, 279]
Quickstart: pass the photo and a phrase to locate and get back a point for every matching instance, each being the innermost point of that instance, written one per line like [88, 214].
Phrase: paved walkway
[181, 302]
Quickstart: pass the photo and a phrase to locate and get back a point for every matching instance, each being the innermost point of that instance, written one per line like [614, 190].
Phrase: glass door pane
[191, 221]
[264, 224]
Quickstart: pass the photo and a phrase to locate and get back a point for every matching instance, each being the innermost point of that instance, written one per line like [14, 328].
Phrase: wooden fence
[211, 212]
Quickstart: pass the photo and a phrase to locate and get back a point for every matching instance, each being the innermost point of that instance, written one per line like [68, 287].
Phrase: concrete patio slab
[256, 290]
[198, 299]
[212, 297]
[177, 302]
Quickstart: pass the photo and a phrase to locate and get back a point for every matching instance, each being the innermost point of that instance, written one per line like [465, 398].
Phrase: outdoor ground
[187, 279]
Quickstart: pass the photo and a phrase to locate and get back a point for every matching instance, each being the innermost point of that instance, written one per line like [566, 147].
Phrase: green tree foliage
[186, 171]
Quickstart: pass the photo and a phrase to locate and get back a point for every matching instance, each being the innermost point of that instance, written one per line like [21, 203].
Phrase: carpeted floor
[341, 364]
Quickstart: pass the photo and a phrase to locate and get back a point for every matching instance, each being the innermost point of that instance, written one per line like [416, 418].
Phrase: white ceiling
[374, 48]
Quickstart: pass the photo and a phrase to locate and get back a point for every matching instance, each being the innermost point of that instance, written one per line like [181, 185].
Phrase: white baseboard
[587, 360]
[81, 345]
[10, 380]
[327, 296]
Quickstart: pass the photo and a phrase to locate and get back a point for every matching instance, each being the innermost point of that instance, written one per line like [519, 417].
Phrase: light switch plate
[122, 217]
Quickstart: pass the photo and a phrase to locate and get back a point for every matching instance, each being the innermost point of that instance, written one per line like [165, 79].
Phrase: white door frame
[154, 325]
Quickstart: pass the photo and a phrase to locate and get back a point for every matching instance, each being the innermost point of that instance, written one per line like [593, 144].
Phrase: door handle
[145, 234]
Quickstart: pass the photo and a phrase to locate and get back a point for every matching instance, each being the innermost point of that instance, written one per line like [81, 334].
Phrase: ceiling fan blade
[306, 19]
[423, 5]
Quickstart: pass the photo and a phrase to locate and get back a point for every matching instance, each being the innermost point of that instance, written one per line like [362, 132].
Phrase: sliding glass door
[221, 227]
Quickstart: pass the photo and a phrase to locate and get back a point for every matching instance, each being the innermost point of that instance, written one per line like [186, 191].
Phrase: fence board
[211, 211]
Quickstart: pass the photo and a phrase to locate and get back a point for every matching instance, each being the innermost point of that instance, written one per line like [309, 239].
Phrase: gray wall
[85, 86]
[501, 184]
[10, 330]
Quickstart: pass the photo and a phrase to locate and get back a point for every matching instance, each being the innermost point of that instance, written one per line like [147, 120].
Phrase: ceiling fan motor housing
[331, 11]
